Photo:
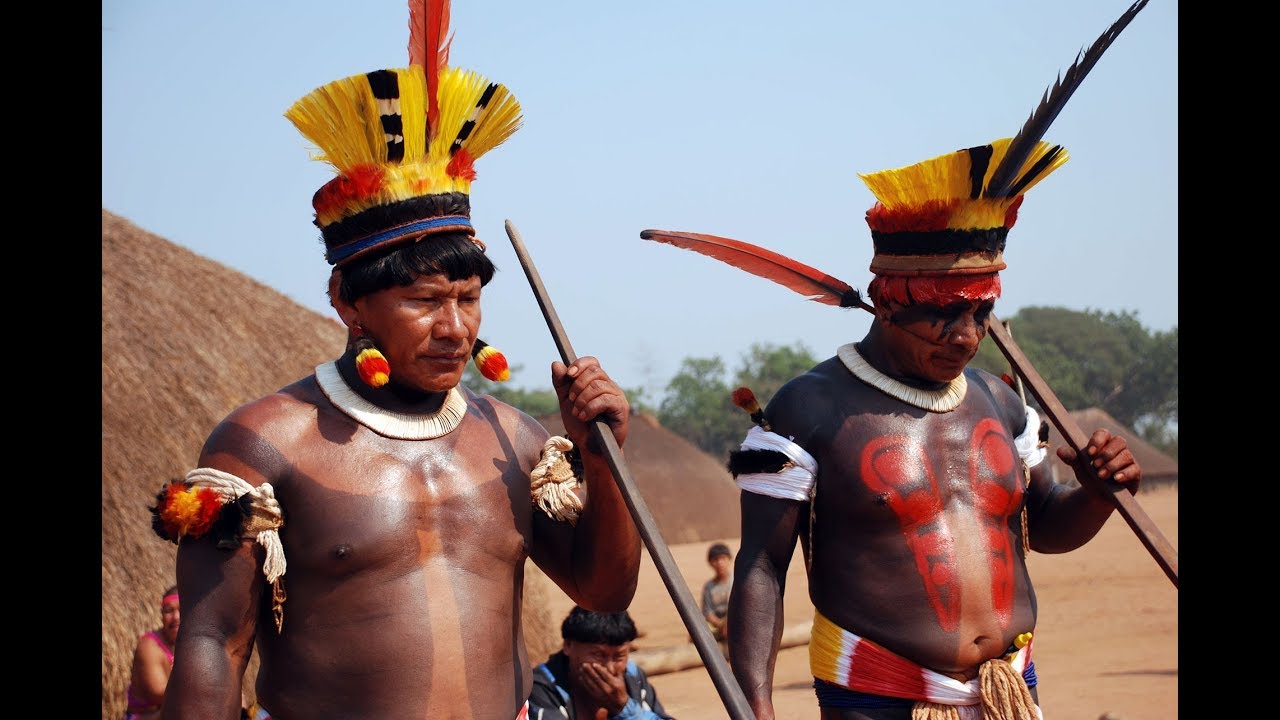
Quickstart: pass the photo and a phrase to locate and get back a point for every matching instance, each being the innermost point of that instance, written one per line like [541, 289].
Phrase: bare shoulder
[1005, 398]
[814, 382]
[255, 440]
[527, 435]
[149, 648]
[800, 404]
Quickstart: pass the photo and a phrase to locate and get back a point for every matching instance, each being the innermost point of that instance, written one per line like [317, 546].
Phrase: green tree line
[1089, 359]
[1105, 360]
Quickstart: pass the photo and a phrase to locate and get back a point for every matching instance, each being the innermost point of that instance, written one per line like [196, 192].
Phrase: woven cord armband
[209, 500]
[553, 480]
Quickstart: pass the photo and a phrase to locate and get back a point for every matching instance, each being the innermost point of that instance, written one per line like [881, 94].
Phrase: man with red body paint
[912, 482]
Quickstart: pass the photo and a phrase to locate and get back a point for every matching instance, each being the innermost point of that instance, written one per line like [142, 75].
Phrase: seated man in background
[593, 677]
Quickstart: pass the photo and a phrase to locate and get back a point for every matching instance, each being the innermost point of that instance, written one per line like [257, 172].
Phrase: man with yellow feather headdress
[914, 484]
[365, 529]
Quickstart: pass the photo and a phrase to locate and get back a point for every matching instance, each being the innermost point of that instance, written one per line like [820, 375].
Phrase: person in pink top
[153, 660]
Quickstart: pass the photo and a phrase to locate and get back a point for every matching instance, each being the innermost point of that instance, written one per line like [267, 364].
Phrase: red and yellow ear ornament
[375, 371]
[490, 362]
[371, 364]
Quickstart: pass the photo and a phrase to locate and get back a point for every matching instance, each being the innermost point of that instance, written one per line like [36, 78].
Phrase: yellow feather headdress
[950, 215]
[400, 138]
[936, 217]
[403, 143]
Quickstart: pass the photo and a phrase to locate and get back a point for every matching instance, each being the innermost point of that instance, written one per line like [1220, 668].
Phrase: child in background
[715, 592]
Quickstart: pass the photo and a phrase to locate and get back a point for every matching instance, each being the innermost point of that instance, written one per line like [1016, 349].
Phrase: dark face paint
[943, 317]
[937, 341]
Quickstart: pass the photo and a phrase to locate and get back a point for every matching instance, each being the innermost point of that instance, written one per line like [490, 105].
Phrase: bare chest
[911, 469]
[396, 506]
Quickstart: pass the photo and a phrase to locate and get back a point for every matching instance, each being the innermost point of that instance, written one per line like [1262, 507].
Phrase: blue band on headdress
[337, 255]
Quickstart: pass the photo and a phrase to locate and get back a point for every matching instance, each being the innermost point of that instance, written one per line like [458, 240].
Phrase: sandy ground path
[1107, 640]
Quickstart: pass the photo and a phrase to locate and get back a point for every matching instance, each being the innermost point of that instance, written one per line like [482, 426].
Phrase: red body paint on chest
[990, 467]
[897, 467]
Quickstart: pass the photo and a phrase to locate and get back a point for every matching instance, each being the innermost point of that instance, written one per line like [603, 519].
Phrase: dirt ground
[1106, 642]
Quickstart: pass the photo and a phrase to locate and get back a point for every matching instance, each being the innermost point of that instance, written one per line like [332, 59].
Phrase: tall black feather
[1051, 103]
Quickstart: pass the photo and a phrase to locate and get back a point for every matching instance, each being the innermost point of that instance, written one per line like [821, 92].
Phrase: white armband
[1028, 443]
[794, 482]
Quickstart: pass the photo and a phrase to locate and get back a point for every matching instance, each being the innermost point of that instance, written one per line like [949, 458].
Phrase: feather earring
[371, 364]
[490, 362]
[429, 49]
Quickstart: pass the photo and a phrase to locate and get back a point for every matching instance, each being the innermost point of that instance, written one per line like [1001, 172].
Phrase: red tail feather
[429, 46]
[810, 282]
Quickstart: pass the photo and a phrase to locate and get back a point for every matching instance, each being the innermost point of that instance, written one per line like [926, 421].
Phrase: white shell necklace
[404, 426]
[942, 400]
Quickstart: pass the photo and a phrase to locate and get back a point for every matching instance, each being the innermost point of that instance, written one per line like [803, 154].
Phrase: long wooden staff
[730, 693]
[1133, 513]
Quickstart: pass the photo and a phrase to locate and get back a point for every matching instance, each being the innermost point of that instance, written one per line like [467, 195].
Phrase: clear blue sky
[732, 117]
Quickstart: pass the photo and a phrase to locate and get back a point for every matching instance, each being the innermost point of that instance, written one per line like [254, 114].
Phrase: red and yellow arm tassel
[182, 509]
[490, 362]
[745, 399]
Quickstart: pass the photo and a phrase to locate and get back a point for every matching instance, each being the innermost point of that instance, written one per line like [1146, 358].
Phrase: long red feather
[810, 282]
[429, 46]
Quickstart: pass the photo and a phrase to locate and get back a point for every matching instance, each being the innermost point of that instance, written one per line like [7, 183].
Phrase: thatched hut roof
[690, 493]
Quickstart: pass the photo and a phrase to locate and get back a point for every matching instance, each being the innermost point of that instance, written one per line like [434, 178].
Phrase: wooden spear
[1017, 379]
[1142, 526]
[730, 693]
